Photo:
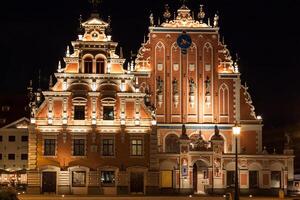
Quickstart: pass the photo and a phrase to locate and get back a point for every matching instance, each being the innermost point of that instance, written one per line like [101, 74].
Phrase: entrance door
[49, 182]
[137, 182]
[200, 182]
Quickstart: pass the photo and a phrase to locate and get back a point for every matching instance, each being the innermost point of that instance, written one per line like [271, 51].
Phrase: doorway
[200, 177]
[137, 182]
[49, 182]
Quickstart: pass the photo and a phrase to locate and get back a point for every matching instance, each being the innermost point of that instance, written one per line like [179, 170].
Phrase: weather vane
[95, 3]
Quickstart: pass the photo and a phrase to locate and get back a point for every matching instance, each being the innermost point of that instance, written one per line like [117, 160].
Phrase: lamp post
[236, 129]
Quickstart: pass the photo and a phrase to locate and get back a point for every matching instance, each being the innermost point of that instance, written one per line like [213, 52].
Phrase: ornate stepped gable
[102, 81]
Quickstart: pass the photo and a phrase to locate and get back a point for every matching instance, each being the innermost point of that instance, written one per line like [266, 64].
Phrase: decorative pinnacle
[80, 21]
[201, 14]
[216, 20]
[68, 51]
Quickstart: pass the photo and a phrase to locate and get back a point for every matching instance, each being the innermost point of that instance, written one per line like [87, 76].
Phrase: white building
[14, 152]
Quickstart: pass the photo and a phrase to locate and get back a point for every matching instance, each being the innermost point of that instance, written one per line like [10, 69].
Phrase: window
[79, 147]
[230, 178]
[79, 112]
[0, 156]
[107, 147]
[172, 144]
[88, 65]
[108, 112]
[24, 138]
[275, 179]
[49, 147]
[1, 138]
[78, 178]
[253, 179]
[100, 65]
[5, 108]
[12, 138]
[11, 156]
[136, 147]
[24, 156]
[107, 178]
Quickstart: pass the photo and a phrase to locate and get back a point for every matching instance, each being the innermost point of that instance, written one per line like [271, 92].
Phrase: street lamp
[236, 129]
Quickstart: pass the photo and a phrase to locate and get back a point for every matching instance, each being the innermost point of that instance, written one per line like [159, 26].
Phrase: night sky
[265, 34]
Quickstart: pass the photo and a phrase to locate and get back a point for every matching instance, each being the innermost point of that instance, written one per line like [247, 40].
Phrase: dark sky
[265, 34]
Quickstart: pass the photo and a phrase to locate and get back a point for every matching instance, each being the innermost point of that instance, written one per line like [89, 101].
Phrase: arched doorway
[200, 177]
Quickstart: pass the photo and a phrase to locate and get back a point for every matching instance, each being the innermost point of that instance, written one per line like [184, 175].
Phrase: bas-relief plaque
[192, 67]
[175, 67]
[159, 66]
[207, 67]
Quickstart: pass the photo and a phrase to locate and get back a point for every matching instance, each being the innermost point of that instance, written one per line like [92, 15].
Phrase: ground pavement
[80, 197]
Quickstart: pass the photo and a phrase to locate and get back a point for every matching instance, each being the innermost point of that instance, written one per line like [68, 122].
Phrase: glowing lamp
[122, 121]
[32, 120]
[153, 122]
[236, 129]
[259, 117]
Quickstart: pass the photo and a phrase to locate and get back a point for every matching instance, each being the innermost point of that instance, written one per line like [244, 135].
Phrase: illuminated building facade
[163, 124]
[196, 88]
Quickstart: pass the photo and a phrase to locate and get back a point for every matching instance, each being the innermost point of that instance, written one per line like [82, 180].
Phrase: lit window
[108, 113]
[78, 178]
[107, 147]
[49, 147]
[79, 147]
[100, 65]
[11, 156]
[11, 138]
[5, 108]
[79, 112]
[107, 178]
[136, 147]
[88, 66]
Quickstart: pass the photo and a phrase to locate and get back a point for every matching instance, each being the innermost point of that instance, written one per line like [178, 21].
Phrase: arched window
[100, 66]
[172, 144]
[88, 65]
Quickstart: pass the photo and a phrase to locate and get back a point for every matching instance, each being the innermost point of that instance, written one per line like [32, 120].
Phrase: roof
[12, 108]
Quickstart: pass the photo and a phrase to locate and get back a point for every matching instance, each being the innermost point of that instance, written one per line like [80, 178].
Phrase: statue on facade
[175, 86]
[151, 18]
[159, 86]
[192, 86]
[207, 86]
[216, 20]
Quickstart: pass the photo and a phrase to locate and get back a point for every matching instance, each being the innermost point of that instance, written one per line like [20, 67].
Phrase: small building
[14, 153]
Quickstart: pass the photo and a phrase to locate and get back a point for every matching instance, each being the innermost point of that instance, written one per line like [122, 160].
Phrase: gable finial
[201, 14]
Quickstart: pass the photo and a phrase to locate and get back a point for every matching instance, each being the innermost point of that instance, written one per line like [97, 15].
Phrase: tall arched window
[88, 65]
[172, 144]
[100, 66]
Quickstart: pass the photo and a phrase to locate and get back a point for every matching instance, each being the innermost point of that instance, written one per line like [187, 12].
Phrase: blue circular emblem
[184, 41]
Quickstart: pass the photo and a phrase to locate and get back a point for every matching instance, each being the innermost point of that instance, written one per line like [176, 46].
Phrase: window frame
[10, 154]
[88, 65]
[107, 152]
[10, 136]
[108, 184]
[79, 148]
[23, 154]
[22, 138]
[51, 146]
[82, 112]
[79, 185]
[133, 151]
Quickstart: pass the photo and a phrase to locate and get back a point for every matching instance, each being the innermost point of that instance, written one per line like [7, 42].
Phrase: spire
[68, 51]
[109, 29]
[50, 82]
[121, 52]
[201, 14]
[59, 69]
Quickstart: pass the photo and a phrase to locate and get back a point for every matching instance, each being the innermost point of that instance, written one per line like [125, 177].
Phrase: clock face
[184, 41]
